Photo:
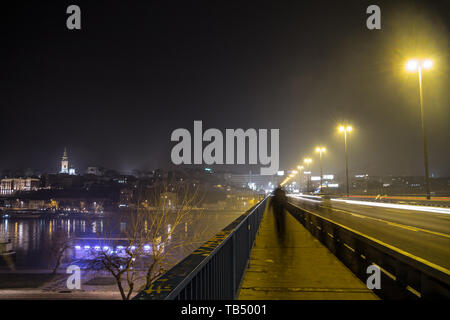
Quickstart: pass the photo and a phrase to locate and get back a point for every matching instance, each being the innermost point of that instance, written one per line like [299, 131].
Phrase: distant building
[254, 181]
[98, 171]
[10, 186]
[64, 162]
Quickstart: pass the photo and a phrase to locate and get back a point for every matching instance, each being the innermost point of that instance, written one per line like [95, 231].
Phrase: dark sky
[114, 91]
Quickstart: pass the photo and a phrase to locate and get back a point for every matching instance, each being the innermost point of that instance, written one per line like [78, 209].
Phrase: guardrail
[215, 270]
[403, 276]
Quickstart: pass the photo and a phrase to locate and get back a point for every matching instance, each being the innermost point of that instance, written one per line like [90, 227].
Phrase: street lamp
[307, 162]
[413, 65]
[320, 150]
[346, 129]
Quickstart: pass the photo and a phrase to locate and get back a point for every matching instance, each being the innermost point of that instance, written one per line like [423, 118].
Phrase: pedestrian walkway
[300, 268]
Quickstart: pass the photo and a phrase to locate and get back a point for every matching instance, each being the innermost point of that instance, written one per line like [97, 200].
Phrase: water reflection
[31, 237]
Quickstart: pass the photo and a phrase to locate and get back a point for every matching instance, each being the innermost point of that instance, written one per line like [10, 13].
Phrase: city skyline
[225, 150]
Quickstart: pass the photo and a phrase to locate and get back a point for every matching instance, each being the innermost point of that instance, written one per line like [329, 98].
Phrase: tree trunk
[130, 291]
[148, 277]
[122, 293]
[58, 262]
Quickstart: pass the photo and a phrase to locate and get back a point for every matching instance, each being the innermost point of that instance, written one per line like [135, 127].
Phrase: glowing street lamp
[413, 65]
[346, 129]
[320, 150]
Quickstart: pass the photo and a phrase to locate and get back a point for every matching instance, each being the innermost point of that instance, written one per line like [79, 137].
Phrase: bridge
[329, 245]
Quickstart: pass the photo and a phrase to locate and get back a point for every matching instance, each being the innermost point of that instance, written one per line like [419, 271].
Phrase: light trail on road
[395, 206]
[423, 233]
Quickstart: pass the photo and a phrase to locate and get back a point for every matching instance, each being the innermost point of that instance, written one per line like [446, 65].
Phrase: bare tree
[164, 209]
[161, 210]
[57, 247]
[121, 268]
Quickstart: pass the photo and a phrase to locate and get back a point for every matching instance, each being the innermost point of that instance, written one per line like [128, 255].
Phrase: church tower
[64, 162]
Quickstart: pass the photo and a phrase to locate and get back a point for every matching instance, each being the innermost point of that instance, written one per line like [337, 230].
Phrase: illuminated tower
[64, 163]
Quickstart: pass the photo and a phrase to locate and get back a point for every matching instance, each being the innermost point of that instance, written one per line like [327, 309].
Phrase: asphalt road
[420, 233]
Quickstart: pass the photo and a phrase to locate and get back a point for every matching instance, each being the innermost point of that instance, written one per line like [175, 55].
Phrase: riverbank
[42, 285]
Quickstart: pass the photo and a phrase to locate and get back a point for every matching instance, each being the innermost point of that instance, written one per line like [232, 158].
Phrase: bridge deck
[300, 268]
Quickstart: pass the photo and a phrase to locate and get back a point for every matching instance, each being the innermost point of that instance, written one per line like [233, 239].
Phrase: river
[32, 237]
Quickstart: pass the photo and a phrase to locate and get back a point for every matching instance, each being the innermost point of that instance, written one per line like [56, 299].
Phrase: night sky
[113, 91]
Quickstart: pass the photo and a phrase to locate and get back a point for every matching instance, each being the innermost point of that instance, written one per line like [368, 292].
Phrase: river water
[32, 237]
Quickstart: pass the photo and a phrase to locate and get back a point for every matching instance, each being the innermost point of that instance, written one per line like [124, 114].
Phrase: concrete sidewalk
[300, 268]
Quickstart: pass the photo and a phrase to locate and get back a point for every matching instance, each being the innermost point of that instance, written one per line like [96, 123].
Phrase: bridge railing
[403, 276]
[215, 270]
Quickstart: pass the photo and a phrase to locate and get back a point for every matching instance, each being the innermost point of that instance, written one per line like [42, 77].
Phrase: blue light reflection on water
[31, 237]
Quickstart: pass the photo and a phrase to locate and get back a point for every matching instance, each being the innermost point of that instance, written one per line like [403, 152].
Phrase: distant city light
[325, 177]
[320, 149]
[252, 185]
[333, 185]
[345, 129]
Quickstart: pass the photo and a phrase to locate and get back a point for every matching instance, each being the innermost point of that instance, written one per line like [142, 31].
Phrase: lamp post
[346, 129]
[320, 150]
[300, 169]
[307, 162]
[413, 65]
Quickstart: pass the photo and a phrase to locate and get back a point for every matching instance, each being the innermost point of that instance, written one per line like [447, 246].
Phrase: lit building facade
[65, 169]
[64, 162]
[10, 186]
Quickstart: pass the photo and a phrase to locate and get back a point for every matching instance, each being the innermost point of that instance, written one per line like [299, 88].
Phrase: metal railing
[403, 276]
[215, 270]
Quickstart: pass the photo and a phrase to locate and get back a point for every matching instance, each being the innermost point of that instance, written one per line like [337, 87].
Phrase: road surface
[423, 234]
